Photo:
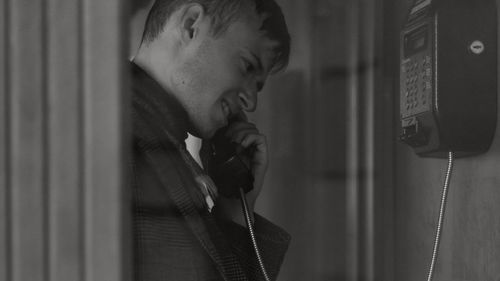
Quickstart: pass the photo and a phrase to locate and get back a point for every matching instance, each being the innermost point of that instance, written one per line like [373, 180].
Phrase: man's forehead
[247, 33]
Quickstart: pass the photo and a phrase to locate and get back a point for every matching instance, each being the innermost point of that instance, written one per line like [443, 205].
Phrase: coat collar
[163, 103]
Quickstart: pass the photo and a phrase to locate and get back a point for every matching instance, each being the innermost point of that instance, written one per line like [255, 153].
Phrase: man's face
[220, 77]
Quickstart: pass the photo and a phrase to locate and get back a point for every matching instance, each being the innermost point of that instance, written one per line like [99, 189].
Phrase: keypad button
[427, 63]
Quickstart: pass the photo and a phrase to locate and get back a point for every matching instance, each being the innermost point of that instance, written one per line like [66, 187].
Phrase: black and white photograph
[249, 140]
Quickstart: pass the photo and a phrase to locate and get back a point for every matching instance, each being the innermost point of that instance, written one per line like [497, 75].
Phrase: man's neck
[148, 58]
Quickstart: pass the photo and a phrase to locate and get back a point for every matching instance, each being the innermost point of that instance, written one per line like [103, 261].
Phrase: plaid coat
[175, 237]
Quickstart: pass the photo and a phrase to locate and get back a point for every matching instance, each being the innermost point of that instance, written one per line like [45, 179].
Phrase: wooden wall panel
[63, 203]
[363, 141]
[64, 140]
[4, 208]
[27, 139]
[104, 60]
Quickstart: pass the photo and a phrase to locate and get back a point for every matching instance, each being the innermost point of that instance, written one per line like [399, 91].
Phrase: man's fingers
[253, 139]
[240, 135]
[234, 127]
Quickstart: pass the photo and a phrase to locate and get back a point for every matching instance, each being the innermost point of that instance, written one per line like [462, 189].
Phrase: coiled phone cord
[252, 234]
[442, 209]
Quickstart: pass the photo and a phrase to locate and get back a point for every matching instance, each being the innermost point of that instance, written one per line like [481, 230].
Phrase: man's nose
[248, 98]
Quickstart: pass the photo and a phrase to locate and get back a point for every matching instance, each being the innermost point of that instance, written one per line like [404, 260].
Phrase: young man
[201, 64]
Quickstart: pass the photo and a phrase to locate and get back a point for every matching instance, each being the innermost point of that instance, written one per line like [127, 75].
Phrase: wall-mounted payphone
[448, 83]
[448, 77]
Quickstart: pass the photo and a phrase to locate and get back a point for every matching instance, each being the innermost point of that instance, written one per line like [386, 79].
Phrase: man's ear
[191, 22]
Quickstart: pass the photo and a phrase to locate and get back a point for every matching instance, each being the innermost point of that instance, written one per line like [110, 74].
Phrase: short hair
[223, 13]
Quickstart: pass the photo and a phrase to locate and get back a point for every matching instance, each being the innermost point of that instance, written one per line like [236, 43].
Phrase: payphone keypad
[417, 85]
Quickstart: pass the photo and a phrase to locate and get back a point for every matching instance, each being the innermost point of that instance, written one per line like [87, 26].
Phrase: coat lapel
[178, 181]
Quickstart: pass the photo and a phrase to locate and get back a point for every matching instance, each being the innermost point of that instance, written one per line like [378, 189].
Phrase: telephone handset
[448, 77]
[229, 165]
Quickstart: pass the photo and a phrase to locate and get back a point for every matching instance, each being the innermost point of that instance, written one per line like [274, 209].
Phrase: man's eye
[248, 65]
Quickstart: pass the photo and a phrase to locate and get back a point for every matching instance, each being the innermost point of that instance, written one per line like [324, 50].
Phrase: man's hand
[248, 137]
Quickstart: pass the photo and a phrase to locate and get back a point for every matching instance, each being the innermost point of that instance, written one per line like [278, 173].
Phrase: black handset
[228, 166]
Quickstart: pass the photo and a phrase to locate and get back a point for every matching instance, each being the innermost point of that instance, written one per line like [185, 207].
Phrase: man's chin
[204, 134]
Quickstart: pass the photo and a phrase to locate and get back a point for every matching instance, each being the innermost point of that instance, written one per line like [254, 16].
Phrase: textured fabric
[175, 237]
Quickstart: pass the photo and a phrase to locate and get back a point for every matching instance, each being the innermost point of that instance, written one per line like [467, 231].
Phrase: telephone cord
[442, 210]
[252, 234]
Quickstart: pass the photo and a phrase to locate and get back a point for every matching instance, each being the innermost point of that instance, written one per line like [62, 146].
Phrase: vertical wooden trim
[352, 193]
[46, 190]
[81, 138]
[27, 139]
[307, 64]
[386, 52]
[104, 59]
[4, 160]
[362, 209]
[66, 226]
[368, 126]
